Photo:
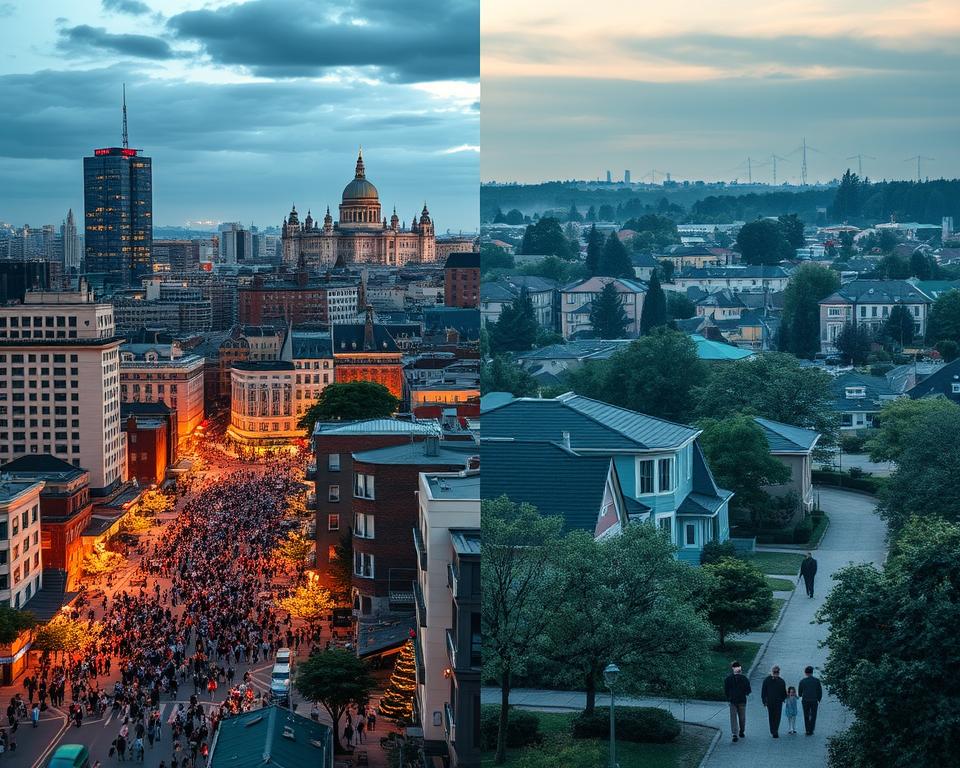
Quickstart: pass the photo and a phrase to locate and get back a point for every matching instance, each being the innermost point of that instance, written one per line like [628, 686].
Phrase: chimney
[368, 341]
[565, 439]
[431, 446]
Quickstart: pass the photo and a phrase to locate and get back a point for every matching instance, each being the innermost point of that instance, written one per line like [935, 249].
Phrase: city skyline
[245, 108]
[695, 89]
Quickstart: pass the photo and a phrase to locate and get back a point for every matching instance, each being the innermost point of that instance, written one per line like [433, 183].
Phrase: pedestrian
[372, 721]
[736, 688]
[348, 732]
[811, 692]
[790, 709]
[361, 724]
[35, 714]
[773, 693]
[808, 570]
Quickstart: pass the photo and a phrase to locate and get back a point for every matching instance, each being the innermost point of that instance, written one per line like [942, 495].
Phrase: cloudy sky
[696, 87]
[245, 107]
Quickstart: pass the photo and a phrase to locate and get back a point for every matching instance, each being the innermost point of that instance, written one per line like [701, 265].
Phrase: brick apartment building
[461, 280]
[147, 448]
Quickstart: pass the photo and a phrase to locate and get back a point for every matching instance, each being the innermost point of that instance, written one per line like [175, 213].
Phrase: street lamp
[610, 675]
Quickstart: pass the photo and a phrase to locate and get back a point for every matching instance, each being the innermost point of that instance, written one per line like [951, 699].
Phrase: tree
[591, 214]
[847, 201]
[63, 634]
[607, 315]
[925, 480]
[737, 597]
[656, 374]
[493, 257]
[654, 312]
[615, 261]
[503, 375]
[944, 322]
[763, 242]
[594, 250]
[519, 592]
[134, 522]
[13, 622]
[948, 349]
[774, 386]
[397, 701]
[894, 646]
[546, 238]
[606, 213]
[641, 608]
[295, 548]
[573, 214]
[792, 229]
[101, 561]
[893, 267]
[679, 307]
[309, 602]
[553, 268]
[514, 217]
[666, 270]
[336, 679]
[654, 230]
[809, 285]
[889, 241]
[739, 457]
[350, 401]
[921, 266]
[898, 330]
[341, 566]
[900, 422]
[516, 328]
[853, 343]
[153, 503]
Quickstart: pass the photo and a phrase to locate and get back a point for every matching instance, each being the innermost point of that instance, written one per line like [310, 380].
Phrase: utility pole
[918, 158]
[859, 159]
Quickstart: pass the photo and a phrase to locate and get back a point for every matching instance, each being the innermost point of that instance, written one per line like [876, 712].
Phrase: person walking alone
[811, 692]
[808, 571]
[736, 688]
[773, 693]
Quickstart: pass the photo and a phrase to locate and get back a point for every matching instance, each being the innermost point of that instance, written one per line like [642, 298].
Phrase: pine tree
[607, 315]
[615, 261]
[654, 312]
[516, 329]
[594, 250]
[397, 701]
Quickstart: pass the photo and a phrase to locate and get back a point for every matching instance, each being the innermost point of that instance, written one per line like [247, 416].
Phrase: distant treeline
[865, 203]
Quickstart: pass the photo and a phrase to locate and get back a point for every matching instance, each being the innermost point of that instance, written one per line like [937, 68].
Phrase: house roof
[876, 391]
[465, 321]
[591, 424]
[494, 400]
[377, 427]
[410, 454]
[877, 292]
[939, 383]
[747, 271]
[724, 298]
[39, 463]
[716, 350]
[145, 409]
[934, 288]
[311, 346]
[463, 260]
[592, 349]
[632, 286]
[274, 736]
[786, 438]
[643, 259]
[351, 337]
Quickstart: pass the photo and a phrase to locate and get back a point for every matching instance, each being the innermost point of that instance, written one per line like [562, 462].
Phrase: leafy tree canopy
[801, 307]
[614, 260]
[503, 375]
[349, 401]
[13, 622]
[336, 679]
[737, 597]
[546, 238]
[763, 242]
[944, 322]
[853, 343]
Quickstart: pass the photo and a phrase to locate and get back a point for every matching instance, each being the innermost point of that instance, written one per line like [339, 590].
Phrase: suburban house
[743, 277]
[753, 329]
[546, 364]
[638, 469]
[858, 398]
[644, 265]
[693, 256]
[724, 304]
[495, 295]
[869, 303]
[945, 382]
[576, 300]
[793, 447]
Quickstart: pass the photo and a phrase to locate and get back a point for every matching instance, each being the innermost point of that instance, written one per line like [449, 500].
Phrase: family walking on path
[776, 697]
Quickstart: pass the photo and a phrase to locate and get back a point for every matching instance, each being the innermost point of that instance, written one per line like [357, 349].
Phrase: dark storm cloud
[132, 7]
[414, 41]
[84, 38]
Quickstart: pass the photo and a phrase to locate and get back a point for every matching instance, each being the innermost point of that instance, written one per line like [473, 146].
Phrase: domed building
[362, 235]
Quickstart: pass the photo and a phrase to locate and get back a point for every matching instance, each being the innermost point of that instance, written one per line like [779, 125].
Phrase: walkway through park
[855, 534]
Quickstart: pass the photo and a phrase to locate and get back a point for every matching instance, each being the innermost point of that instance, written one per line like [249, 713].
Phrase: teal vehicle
[70, 756]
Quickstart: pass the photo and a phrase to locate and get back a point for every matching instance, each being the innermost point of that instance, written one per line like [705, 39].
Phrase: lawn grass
[777, 563]
[780, 585]
[768, 626]
[560, 750]
[709, 684]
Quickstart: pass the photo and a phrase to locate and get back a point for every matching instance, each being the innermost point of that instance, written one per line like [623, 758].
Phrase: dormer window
[853, 393]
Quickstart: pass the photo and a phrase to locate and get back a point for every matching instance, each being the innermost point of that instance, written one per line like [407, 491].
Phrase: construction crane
[919, 158]
[859, 159]
[773, 161]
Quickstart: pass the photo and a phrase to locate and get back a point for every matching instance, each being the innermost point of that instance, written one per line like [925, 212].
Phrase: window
[955, 387]
[690, 535]
[363, 489]
[333, 462]
[666, 524]
[645, 476]
[363, 565]
[666, 475]
[333, 522]
[855, 392]
[846, 419]
[333, 493]
[363, 526]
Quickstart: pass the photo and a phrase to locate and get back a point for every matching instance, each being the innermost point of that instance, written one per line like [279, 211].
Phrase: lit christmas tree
[397, 701]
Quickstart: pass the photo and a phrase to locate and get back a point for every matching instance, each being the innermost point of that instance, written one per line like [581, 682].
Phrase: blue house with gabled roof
[546, 452]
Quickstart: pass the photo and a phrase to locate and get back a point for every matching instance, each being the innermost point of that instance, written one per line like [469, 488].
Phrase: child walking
[790, 709]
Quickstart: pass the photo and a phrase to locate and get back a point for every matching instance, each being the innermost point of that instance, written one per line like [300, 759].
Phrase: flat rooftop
[446, 486]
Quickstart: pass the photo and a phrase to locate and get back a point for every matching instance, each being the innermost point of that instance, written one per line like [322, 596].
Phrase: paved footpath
[855, 534]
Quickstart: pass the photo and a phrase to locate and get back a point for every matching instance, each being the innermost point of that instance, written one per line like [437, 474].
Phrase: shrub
[523, 728]
[714, 551]
[853, 442]
[647, 725]
[803, 531]
[856, 472]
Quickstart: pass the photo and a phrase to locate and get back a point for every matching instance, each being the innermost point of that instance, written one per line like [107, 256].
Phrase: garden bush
[853, 442]
[714, 551]
[647, 725]
[523, 728]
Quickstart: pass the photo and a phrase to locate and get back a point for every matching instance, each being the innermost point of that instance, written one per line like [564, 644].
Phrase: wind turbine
[918, 158]
[859, 159]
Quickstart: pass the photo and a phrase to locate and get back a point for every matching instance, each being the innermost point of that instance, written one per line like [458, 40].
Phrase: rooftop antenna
[918, 158]
[125, 142]
[859, 159]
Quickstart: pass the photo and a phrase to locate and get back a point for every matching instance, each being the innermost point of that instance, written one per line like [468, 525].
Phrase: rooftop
[465, 541]
[42, 464]
[786, 438]
[447, 452]
[878, 292]
[458, 487]
[378, 427]
[274, 736]
[11, 489]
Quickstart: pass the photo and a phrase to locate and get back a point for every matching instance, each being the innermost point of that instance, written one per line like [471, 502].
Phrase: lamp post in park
[610, 674]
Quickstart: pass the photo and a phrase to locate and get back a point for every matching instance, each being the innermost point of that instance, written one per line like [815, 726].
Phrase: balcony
[452, 580]
[421, 548]
[420, 604]
[452, 648]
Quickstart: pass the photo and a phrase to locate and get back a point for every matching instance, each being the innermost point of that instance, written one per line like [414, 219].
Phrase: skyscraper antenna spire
[125, 142]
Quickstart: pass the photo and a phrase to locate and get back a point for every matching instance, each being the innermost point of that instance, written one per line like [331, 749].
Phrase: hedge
[865, 483]
[523, 728]
[647, 725]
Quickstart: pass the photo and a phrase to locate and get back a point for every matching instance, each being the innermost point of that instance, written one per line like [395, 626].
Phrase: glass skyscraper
[118, 215]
